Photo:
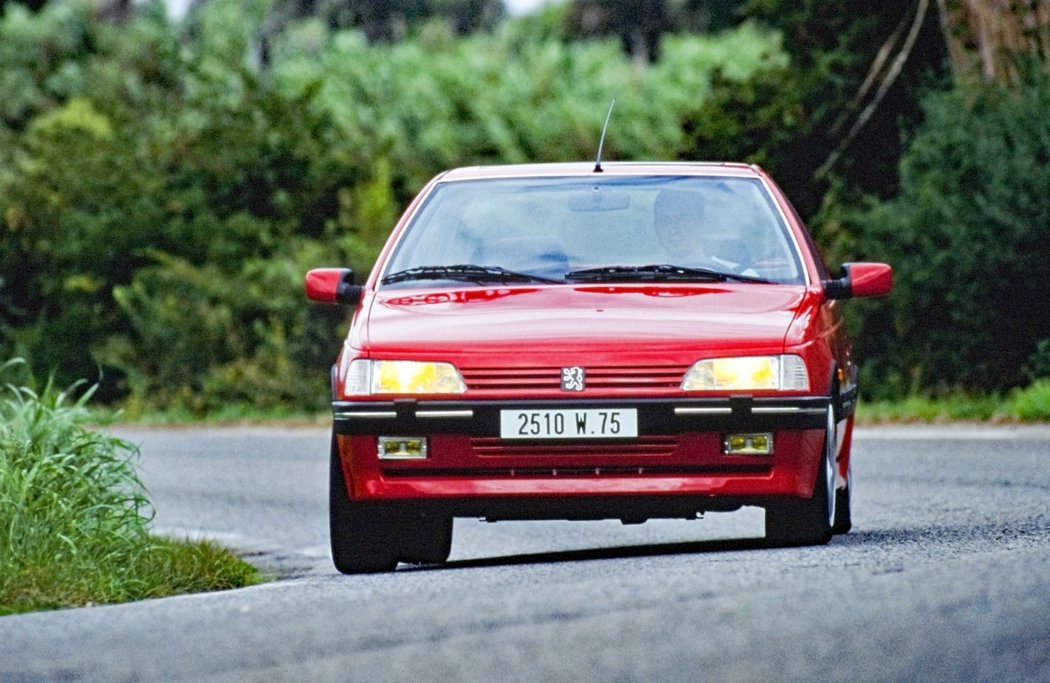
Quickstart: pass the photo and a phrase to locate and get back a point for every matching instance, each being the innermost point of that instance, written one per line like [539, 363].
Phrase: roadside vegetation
[164, 185]
[74, 516]
[1019, 406]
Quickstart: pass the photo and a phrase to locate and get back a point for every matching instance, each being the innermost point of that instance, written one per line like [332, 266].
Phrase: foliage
[968, 237]
[168, 257]
[74, 514]
[923, 409]
[390, 20]
[1039, 361]
[639, 25]
[1020, 405]
[1031, 403]
[79, 183]
[790, 116]
[992, 41]
[164, 187]
[437, 103]
[198, 343]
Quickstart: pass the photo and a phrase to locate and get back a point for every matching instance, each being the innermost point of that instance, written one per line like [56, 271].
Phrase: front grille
[646, 446]
[505, 379]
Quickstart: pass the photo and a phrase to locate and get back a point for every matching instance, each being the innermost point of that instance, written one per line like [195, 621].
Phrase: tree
[637, 23]
[640, 25]
[967, 238]
[34, 5]
[987, 38]
[703, 16]
[838, 110]
[967, 232]
[386, 20]
[381, 22]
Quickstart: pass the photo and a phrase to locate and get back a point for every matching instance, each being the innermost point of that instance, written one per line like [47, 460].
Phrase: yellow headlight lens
[748, 373]
[414, 377]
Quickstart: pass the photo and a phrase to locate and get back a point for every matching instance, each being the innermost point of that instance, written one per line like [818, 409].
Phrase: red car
[569, 341]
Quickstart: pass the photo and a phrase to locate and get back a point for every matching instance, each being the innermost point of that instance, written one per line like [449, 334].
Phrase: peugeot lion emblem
[572, 379]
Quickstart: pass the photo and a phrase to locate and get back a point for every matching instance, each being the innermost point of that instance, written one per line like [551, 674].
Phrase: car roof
[609, 168]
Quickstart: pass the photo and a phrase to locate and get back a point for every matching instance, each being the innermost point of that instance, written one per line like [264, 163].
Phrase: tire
[427, 539]
[361, 534]
[369, 538]
[843, 521]
[809, 521]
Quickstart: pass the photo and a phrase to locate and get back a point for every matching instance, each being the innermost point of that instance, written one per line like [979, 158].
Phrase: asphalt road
[946, 577]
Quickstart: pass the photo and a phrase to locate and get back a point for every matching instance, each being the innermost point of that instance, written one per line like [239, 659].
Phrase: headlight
[748, 373]
[402, 377]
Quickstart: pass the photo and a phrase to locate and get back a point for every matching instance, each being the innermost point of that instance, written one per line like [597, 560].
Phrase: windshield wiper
[466, 272]
[658, 272]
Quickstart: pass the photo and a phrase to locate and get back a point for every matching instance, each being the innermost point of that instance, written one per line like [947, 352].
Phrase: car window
[549, 227]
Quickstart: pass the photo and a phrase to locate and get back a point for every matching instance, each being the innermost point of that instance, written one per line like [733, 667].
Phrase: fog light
[402, 448]
[748, 444]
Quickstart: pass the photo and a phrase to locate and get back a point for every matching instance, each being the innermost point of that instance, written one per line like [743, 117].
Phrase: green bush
[202, 338]
[1032, 403]
[967, 237]
[161, 199]
[435, 102]
[78, 181]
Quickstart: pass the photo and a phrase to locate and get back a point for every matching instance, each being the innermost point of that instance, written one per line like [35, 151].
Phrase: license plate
[586, 423]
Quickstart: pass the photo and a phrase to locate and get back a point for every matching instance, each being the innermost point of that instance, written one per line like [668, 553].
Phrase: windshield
[589, 229]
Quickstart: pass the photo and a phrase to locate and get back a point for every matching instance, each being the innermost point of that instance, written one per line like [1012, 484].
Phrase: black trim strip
[655, 416]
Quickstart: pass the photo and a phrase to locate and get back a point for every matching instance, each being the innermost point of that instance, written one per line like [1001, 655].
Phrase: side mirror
[860, 280]
[333, 286]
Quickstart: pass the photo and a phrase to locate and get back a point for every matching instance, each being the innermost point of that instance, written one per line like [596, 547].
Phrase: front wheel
[367, 537]
[361, 534]
[809, 521]
[427, 538]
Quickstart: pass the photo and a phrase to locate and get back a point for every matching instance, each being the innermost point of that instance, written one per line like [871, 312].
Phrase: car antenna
[598, 161]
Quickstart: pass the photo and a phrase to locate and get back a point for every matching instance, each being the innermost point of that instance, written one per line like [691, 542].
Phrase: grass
[1026, 405]
[74, 515]
[232, 414]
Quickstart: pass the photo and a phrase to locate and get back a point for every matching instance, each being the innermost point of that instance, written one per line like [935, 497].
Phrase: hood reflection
[484, 294]
[458, 296]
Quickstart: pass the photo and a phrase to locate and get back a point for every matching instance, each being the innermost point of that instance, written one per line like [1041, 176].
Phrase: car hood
[597, 319]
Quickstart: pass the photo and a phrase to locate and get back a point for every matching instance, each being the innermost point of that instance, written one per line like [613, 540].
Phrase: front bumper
[676, 463]
[655, 416]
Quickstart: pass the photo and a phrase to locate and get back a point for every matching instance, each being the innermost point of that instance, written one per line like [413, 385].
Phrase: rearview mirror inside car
[599, 199]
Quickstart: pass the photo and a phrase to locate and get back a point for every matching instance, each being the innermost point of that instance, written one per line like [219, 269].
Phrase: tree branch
[887, 82]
